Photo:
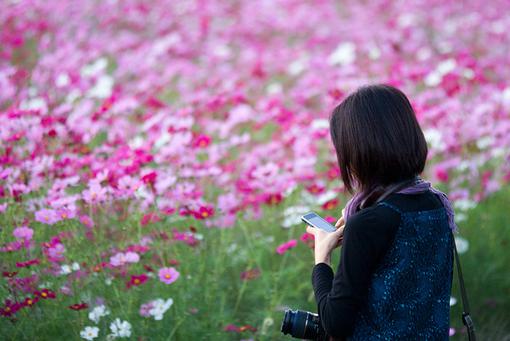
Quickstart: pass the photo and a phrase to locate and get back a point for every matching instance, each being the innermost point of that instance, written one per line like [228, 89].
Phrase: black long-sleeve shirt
[368, 234]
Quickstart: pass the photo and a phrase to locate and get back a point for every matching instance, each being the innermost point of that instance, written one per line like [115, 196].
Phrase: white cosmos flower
[120, 328]
[160, 306]
[462, 244]
[326, 196]
[320, 123]
[434, 138]
[102, 88]
[98, 312]
[453, 301]
[75, 266]
[62, 80]
[274, 88]
[89, 333]
[293, 215]
[464, 204]
[94, 68]
[344, 54]
[460, 217]
[65, 269]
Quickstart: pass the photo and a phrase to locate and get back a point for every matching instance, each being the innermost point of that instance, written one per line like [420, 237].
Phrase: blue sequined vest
[409, 295]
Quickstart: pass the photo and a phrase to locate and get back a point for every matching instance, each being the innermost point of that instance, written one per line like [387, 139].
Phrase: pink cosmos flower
[65, 213]
[12, 246]
[23, 232]
[282, 248]
[441, 174]
[122, 258]
[47, 216]
[146, 308]
[56, 252]
[86, 220]
[94, 194]
[168, 275]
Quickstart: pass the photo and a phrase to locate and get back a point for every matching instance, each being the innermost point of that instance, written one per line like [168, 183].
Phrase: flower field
[156, 156]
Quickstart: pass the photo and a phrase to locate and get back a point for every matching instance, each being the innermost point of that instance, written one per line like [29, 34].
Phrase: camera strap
[466, 316]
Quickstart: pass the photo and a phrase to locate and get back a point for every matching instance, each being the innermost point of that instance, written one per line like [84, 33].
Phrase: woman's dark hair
[377, 138]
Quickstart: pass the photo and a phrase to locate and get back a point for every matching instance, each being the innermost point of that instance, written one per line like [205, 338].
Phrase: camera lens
[301, 324]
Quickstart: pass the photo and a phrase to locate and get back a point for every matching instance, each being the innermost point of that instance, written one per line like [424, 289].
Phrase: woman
[394, 278]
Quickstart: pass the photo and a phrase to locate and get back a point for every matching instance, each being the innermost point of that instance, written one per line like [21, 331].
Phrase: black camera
[302, 325]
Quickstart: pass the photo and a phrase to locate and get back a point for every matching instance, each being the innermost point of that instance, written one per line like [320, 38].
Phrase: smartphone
[315, 220]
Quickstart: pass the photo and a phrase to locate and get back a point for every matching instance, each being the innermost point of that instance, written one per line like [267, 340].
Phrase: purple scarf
[418, 186]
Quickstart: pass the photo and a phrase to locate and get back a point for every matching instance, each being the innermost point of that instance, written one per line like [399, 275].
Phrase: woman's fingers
[309, 229]
[340, 231]
[340, 222]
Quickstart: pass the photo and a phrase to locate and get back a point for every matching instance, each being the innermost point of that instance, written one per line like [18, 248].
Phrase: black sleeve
[367, 236]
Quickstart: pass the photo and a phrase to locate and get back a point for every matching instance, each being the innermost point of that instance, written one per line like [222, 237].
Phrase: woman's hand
[325, 242]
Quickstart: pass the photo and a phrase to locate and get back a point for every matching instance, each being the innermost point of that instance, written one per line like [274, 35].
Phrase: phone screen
[316, 221]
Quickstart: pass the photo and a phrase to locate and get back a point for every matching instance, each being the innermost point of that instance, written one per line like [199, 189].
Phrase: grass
[210, 276]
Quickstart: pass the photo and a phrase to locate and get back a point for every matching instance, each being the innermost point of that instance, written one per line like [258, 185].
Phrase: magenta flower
[282, 248]
[137, 280]
[168, 275]
[23, 232]
[47, 216]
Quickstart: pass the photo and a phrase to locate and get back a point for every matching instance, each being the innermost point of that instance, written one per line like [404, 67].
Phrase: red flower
[250, 274]
[99, 267]
[186, 237]
[201, 141]
[28, 263]
[273, 199]
[148, 268]
[45, 293]
[149, 218]
[79, 306]
[336, 94]
[154, 102]
[330, 204]
[137, 248]
[9, 274]
[10, 308]
[315, 189]
[137, 280]
[173, 262]
[234, 328]
[29, 302]
[441, 174]
[203, 212]
[247, 327]
[231, 328]
[308, 239]
[149, 178]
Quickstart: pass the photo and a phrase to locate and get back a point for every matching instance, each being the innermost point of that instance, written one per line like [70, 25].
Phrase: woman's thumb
[340, 231]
